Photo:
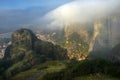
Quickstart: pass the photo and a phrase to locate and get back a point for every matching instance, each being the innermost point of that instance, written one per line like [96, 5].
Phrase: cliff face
[25, 46]
[109, 34]
[77, 41]
[75, 38]
[81, 39]
[24, 38]
[26, 50]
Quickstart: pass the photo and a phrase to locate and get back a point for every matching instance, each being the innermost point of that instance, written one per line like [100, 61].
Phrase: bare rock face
[24, 37]
[27, 47]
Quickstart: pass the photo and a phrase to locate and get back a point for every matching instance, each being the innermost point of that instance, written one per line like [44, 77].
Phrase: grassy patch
[37, 72]
[96, 77]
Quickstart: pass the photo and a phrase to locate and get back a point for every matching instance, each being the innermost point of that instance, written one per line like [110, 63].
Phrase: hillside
[33, 59]
[97, 69]
[27, 50]
[72, 37]
[81, 39]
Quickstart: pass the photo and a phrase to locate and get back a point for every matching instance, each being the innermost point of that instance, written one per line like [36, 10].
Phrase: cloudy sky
[15, 14]
[20, 13]
[22, 4]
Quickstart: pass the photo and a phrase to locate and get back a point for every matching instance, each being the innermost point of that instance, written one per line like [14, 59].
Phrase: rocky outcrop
[26, 46]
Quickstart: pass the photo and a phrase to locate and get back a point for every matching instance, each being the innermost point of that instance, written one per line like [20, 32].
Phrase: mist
[98, 13]
[82, 11]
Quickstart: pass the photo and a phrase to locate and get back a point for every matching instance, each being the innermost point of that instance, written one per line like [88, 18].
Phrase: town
[5, 41]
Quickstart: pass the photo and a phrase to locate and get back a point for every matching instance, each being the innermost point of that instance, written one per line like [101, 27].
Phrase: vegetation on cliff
[27, 50]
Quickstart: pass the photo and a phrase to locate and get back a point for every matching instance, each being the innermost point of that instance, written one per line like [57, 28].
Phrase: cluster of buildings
[5, 40]
[45, 38]
[3, 47]
[2, 50]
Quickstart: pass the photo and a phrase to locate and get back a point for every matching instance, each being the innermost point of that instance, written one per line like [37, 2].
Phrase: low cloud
[103, 15]
[82, 11]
